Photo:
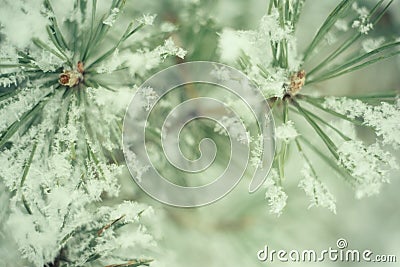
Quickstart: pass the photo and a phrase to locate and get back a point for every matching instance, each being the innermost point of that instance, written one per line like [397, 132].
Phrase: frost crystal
[221, 73]
[362, 11]
[362, 23]
[317, 191]
[345, 127]
[13, 108]
[144, 60]
[8, 81]
[170, 48]
[342, 25]
[368, 164]
[47, 62]
[234, 126]
[286, 131]
[136, 165]
[248, 48]
[111, 64]
[230, 53]
[371, 44]
[149, 97]
[275, 195]
[147, 19]
[270, 26]
[110, 20]
[168, 27]
[330, 38]
[384, 118]
[257, 151]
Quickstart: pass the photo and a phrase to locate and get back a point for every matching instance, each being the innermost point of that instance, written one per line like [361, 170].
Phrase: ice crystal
[221, 74]
[110, 20]
[342, 25]
[47, 62]
[149, 97]
[316, 190]
[368, 164]
[249, 50]
[168, 27]
[170, 48]
[286, 131]
[270, 27]
[275, 195]
[362, 23]
[234, 126]
[144, 60]
[111, 64]
[371, 44]
[139, 168]
[147, 19]
[257, 151]
[384, 118]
